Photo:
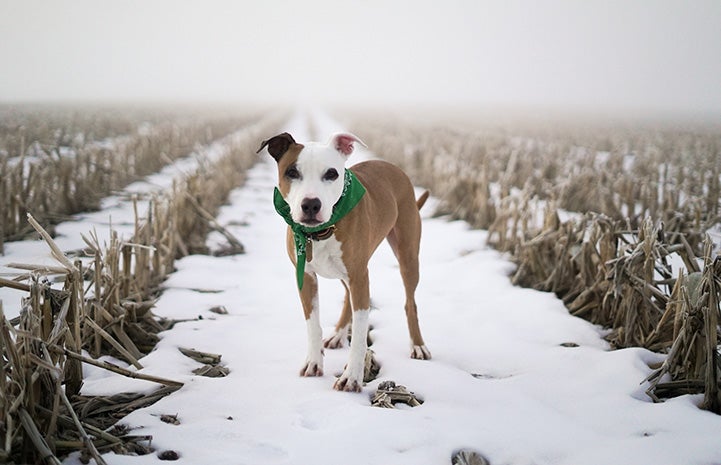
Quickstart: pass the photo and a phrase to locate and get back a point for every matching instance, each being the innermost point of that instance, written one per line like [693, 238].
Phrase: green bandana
[353, 191]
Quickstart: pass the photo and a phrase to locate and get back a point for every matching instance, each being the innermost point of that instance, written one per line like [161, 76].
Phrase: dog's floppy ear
[277, 145]
[343, 142]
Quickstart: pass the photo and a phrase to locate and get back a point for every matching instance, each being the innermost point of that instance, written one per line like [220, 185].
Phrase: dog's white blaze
[315, 337]
[328, 259]
[313, 162]
[358, 346]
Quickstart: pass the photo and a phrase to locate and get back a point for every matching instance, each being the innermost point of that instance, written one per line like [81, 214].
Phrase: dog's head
[310, 176]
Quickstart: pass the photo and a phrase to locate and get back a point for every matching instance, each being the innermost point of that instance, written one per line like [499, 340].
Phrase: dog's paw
[420, 353]
[312, 369]
[337, 340]
[348, 384]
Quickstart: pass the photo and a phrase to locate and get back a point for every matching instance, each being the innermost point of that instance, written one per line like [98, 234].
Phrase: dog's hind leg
[405, 242]
[339, 338]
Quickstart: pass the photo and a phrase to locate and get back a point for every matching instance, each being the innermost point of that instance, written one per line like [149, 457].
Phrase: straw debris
[389, 394]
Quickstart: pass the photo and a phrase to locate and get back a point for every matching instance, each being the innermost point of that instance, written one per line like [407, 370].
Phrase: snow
[499, 382]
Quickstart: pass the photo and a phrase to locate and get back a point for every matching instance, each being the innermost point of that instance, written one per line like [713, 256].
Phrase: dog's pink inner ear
[344, 143]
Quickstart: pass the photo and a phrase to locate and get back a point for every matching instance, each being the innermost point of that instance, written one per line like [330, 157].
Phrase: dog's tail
[422, 199]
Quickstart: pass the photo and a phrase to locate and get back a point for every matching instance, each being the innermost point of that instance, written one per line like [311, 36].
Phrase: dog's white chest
[327, 259]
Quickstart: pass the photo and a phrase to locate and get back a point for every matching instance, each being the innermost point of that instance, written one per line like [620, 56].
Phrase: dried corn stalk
[692, 364]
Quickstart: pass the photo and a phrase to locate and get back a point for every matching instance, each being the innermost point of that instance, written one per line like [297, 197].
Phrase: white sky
[637, 54]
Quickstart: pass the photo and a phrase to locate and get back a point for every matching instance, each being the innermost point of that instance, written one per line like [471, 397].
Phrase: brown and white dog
[311, 181]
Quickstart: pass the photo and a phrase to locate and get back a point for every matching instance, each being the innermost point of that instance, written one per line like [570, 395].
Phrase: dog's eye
[292, 173]
[330, 175]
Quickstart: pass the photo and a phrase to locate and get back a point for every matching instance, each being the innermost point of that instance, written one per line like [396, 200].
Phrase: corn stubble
[641, 195]
[104, 307]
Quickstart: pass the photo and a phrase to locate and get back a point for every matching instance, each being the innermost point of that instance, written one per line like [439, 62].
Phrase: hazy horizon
[641, 56]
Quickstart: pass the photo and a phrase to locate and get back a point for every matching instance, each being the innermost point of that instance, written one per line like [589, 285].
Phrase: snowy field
[500, 381]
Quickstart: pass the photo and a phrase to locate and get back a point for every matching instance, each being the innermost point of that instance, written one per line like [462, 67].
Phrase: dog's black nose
[310, 207]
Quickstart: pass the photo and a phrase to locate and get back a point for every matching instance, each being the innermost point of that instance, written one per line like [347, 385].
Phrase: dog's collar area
[317, 236]
[322, 234]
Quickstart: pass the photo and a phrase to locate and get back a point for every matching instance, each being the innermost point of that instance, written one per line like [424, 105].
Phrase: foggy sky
[636, 54]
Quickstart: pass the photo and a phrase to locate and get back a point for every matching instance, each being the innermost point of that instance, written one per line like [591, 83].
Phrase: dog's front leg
[352, 378]
[309, 299]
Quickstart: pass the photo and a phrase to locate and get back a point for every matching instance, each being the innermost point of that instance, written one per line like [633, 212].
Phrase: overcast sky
[649, 54]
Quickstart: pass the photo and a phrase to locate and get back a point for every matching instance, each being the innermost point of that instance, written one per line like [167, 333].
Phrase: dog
[337, 217]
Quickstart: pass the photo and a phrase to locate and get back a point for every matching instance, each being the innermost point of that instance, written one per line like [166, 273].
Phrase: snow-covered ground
[500, 382]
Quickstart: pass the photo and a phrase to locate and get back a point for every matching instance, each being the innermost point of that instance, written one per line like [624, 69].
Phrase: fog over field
[641, 55]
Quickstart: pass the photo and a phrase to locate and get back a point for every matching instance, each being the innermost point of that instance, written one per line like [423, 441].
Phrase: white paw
[312, 368]
[337, 340]
[349, 382]
[420, 353]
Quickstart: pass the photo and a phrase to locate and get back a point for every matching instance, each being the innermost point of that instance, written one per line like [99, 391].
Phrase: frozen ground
[500, 381]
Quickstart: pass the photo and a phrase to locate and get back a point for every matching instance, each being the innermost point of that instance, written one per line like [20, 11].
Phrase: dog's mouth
[309, 219]
[310, 222]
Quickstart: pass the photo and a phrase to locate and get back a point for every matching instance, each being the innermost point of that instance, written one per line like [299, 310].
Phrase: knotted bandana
[353, 191]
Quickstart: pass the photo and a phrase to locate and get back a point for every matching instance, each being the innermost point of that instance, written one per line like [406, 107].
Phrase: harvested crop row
[53, 180]
[104, 308]
[643, 200]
